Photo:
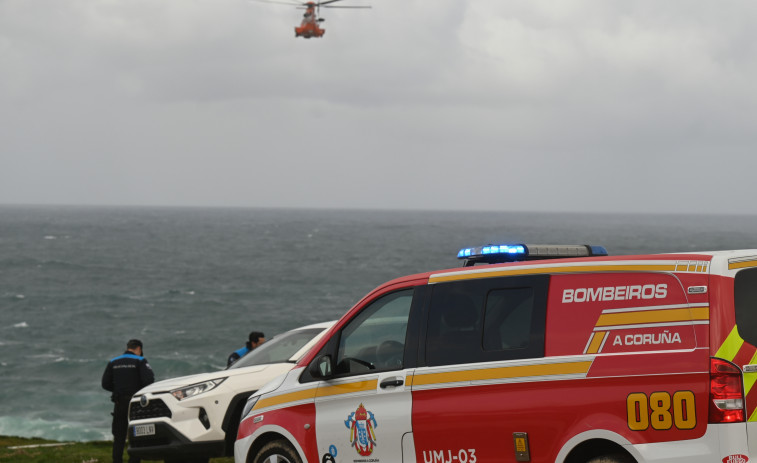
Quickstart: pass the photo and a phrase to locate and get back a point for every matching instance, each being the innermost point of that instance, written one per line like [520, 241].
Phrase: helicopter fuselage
[309, 27]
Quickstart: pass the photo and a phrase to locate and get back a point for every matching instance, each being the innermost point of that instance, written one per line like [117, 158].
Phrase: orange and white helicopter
[310, 28]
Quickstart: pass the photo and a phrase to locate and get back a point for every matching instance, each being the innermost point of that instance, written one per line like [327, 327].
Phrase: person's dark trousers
[120, 429]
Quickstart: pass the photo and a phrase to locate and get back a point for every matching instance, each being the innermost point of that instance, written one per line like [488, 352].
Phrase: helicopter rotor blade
[327, 4]
[280, 2]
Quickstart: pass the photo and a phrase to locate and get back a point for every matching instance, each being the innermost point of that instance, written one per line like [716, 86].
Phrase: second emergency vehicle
[560, 354]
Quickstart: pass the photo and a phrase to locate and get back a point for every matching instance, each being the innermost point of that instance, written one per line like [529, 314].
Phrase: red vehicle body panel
[294, 419]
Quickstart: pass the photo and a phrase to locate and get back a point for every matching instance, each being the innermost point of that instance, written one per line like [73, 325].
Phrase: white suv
[195, 418]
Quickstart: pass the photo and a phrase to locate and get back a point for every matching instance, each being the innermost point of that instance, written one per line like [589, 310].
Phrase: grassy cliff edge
[33, 450]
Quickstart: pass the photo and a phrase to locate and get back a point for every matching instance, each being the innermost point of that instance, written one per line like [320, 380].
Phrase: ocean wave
[21, 325]
[174, 292]
[54, 430]
[18, 261]
[64, 265]
[24, 262]
[45, 356]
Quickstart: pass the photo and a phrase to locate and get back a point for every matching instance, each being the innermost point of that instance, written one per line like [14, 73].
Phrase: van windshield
[279, 349]
[745, 304]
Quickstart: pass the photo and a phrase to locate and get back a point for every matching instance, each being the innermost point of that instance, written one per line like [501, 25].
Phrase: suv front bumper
[168, 443]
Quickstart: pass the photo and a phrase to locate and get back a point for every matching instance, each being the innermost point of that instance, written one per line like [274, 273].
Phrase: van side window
[745, 304]
[507, 319]
[454, 329]
[375, 338]
[486, 320]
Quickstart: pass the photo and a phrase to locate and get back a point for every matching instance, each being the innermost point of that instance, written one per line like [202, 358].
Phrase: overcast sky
[548, 105]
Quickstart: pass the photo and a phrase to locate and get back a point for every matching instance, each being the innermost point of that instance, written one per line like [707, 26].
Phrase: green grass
[70, 452]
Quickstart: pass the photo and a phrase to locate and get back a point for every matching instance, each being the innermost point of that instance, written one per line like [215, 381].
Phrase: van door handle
[393, 382]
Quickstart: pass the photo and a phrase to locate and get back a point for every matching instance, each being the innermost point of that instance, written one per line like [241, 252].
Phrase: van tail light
[726, 392]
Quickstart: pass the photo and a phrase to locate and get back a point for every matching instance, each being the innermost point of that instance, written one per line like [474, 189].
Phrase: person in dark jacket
[255, 339]
[123, 377]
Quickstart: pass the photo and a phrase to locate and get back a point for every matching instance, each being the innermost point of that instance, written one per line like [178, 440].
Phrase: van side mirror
[321, 367]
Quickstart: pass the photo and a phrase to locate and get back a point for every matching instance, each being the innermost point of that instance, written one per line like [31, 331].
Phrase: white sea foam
[51, 237]
[21, 325]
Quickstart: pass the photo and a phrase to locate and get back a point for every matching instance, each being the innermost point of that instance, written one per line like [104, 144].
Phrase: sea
[77, 282]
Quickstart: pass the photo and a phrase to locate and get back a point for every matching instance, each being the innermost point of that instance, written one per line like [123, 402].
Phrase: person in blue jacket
[123, 377]
[255, 339]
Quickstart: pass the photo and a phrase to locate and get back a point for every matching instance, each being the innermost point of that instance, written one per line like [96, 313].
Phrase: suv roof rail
[502, 253]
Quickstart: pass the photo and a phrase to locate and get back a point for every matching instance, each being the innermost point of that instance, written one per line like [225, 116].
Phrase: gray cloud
[576, 105]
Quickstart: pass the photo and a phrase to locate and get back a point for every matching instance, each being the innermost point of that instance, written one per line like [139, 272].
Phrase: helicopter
[309, 27]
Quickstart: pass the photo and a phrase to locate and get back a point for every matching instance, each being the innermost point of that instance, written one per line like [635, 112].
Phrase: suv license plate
[144, 430]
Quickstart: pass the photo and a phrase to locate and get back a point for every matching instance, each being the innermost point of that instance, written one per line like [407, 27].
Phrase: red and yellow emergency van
[560, 354]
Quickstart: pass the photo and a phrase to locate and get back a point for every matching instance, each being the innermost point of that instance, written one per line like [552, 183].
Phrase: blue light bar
[598, 251]
[507, 249]
[500, 253]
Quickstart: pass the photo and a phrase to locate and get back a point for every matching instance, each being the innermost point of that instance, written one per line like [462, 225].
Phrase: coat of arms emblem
[362, 425]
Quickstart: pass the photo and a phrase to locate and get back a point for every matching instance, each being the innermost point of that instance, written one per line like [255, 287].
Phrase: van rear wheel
[278, 451]
[614, 458]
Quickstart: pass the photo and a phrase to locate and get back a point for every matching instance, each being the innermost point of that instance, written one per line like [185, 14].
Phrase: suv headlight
[196, 389]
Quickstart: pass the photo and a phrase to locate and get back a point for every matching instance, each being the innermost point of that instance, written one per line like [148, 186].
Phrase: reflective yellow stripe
[596, 342]
[525, 371]
[744, 264]
[284, 398]
[409, 380]
[545, 270]
[730, 346]
[753, 416]
[309, 394]
[347, 388]
[750, 378]
[700, 313]
[654, 316]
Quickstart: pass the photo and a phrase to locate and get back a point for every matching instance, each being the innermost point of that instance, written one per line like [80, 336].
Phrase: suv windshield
[279, 349]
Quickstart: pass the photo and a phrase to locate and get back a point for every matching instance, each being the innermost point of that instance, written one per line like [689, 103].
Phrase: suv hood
[183, 381]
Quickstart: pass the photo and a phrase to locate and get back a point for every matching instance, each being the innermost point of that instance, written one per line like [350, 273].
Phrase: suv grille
[155, 409]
